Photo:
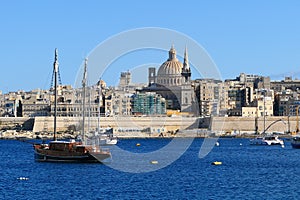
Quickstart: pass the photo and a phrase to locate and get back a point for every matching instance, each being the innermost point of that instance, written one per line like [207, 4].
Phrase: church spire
[186, 71]
[186, 65]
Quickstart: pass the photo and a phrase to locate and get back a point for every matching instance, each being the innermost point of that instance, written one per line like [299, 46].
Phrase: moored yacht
[68, 151]
[267, 140]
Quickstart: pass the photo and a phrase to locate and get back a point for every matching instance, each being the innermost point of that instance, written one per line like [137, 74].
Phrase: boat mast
[297, 122]
[89, 108]
[100, 97]
[55, 66]
[83, 107]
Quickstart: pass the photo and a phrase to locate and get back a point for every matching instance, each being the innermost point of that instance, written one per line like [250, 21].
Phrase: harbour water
[247, 172]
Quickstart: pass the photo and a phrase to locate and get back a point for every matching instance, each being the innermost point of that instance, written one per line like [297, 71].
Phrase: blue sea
[247, 172]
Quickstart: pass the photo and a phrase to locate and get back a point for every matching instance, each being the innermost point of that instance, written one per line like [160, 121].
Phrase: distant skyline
[254, 37]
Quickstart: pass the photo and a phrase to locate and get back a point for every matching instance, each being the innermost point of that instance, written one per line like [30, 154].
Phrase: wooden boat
[68, 151]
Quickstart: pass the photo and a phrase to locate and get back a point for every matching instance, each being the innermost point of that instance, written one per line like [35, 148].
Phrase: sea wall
[248, 124]
[120, 124]
[127, 125]
[10, 123]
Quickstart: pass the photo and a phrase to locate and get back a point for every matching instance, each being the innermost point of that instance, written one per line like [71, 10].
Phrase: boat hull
[267, 141]
[52, 158]
[295, 142]
[295, 146]
[107, 142]
[89, 156]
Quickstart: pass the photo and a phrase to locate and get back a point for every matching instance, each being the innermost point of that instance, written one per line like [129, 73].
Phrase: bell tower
[187, 97]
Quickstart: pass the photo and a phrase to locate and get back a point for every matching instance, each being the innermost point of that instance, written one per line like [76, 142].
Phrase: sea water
[247, 172]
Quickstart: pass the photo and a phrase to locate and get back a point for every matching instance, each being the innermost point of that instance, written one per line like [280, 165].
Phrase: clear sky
[255, 37]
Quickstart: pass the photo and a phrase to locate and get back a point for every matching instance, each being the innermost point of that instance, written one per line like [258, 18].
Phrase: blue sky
[256, 37]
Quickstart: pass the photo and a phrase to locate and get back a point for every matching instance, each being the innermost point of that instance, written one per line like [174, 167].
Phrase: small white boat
[103, 137]
[107, 140]
[268, 140]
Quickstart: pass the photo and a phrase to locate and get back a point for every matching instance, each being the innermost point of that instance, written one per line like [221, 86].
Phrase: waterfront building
[241, 92]
[286, 103]
[261, 105]
[121, 102]
[253, 80]
[148, 103]
[122, 95]
[287, 83]
[212, 96]
[238, 96]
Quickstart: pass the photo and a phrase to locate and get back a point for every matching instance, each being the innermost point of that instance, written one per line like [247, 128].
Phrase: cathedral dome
[169, 73]
[173, 67]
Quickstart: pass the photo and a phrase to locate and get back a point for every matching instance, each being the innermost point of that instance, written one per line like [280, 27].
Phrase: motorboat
[267, 140]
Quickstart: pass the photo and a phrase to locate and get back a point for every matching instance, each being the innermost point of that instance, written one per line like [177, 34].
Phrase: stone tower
[151, 75]
[187, 93]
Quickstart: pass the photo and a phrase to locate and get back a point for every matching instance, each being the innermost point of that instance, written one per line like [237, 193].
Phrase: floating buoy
[23, 178]
[282, 146]
[154, 162]
[241, 144]
[217, 144]
[216, 163]
[138, 144]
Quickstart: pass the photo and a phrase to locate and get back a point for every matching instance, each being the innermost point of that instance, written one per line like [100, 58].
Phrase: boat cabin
[270, 138]
[60, 145]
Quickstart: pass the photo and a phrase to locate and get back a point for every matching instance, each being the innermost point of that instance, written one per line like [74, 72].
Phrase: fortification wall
[247, 124]
[25, 123]
[227, 124]
[136, 123]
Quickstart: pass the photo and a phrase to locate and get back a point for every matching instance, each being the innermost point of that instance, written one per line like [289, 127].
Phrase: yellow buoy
[216, 163]
[138, 144]
[154, 162]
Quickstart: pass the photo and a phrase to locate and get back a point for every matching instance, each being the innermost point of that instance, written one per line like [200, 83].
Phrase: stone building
[212, 96]
[173, 82]
[287, 83]
[122, 95]
[286, 103]
[241, 92]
